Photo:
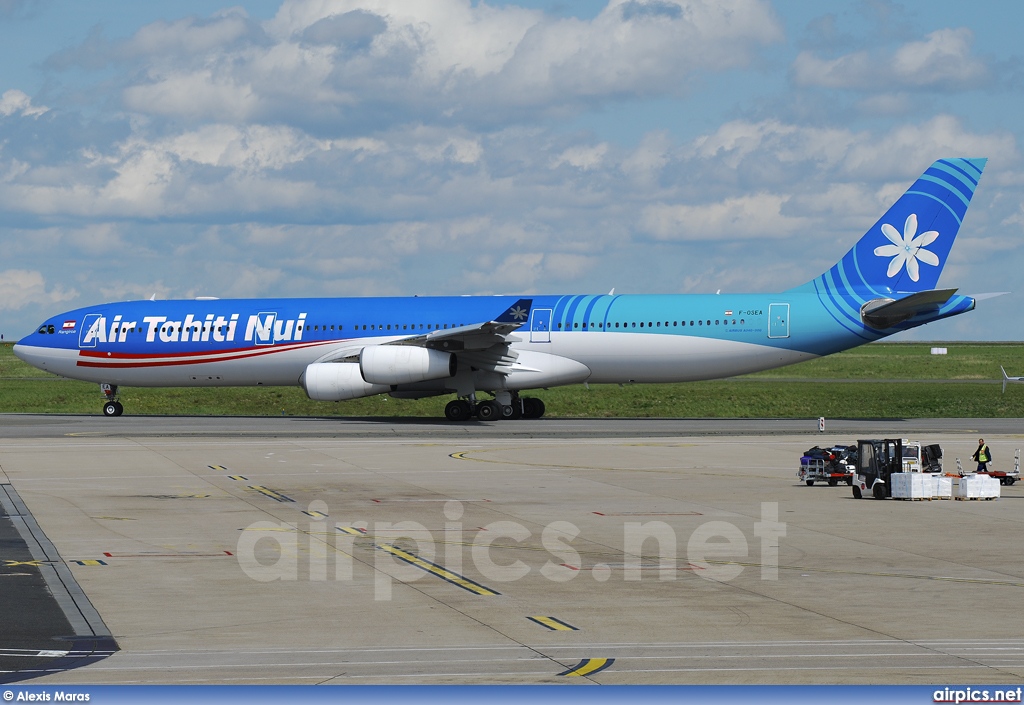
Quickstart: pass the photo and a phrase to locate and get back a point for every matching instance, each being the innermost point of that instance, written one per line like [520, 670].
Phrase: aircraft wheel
[508, 411]
[878, 491]
[532, 408]
[488, 410]
[832, 482]
[457, 410]
[810, 483]
[856, 492]
[112, 408]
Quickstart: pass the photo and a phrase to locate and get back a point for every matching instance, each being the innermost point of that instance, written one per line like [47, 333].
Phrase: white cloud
[907, 148]
[334, 60]
[585, 156]
[17, 102]
[942, 60]
[20, 288]
[757, 216]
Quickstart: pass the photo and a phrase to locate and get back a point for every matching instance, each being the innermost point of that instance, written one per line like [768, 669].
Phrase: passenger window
[575, 325]
[641, 324]
[700, 323]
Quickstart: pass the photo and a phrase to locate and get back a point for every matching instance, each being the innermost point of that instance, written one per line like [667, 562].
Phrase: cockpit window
[47, 329]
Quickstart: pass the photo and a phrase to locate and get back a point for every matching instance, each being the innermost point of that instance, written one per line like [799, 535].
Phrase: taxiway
[665, 551]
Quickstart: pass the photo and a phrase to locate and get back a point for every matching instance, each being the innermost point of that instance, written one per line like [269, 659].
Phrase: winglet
[518, 312]
[1006, 378]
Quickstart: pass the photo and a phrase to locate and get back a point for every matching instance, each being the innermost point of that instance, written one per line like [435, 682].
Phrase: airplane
[1007, 378]
[413, 347]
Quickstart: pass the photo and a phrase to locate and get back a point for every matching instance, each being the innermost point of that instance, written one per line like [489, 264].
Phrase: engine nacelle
[404, 364]
[337, 381]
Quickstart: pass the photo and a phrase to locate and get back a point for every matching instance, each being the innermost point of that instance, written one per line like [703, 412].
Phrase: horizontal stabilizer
[885, 313]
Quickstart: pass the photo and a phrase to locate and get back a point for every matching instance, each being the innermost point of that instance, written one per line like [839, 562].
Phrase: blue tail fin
[887, 282]
[904, 252]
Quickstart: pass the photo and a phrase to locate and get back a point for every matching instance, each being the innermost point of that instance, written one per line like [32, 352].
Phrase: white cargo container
[978, 487]
[912, 485]
[943, 487]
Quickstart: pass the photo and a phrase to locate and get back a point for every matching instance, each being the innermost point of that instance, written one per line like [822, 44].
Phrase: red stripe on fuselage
[130, 360]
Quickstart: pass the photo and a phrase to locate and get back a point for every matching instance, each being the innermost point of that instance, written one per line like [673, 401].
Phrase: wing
[485, 345]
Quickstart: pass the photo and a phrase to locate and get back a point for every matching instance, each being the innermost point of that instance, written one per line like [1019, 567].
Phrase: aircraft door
[540, 325]
[87, 337]
[778, 320]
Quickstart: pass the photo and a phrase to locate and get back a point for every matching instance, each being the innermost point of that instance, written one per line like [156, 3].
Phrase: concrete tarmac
[666, 551]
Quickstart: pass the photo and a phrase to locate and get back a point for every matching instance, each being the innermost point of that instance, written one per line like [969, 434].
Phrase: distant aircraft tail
[887, 281]
[1006, 378]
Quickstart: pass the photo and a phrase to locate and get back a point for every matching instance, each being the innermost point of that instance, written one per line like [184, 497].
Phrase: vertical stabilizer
[905, 251]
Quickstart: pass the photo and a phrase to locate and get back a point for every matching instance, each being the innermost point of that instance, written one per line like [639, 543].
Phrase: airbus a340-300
[502, 346]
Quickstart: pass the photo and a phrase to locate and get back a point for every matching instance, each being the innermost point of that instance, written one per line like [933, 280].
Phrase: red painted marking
[105, 359]
[481, 528]
[375, 500]
[570, 567]
[228, 553]
[108, 555]
[600, 514]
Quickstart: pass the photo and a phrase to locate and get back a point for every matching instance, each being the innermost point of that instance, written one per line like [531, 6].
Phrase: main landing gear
[493, 410]
[111, 407]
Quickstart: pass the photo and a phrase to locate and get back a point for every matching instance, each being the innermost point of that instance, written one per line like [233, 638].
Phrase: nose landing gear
[111, 407]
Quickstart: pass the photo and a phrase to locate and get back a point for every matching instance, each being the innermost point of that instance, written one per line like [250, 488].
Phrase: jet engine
[337, 381]
[403, 364]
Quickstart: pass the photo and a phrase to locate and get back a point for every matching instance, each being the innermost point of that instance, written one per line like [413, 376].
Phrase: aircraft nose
[30, 354]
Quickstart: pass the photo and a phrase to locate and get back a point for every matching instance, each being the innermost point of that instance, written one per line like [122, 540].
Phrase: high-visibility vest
[983, 454]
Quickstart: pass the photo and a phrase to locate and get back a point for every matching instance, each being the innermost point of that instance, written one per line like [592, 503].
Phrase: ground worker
[983, 456]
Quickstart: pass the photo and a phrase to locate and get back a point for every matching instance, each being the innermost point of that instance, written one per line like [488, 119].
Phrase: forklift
[877, 461]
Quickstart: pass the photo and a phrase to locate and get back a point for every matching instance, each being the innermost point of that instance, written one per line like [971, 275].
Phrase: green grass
[914, 384]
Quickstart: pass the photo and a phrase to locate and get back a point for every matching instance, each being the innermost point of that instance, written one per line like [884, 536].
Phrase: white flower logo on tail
[907, 249]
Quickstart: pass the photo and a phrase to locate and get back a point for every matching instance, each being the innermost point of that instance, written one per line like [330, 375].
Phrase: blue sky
[397, 147]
